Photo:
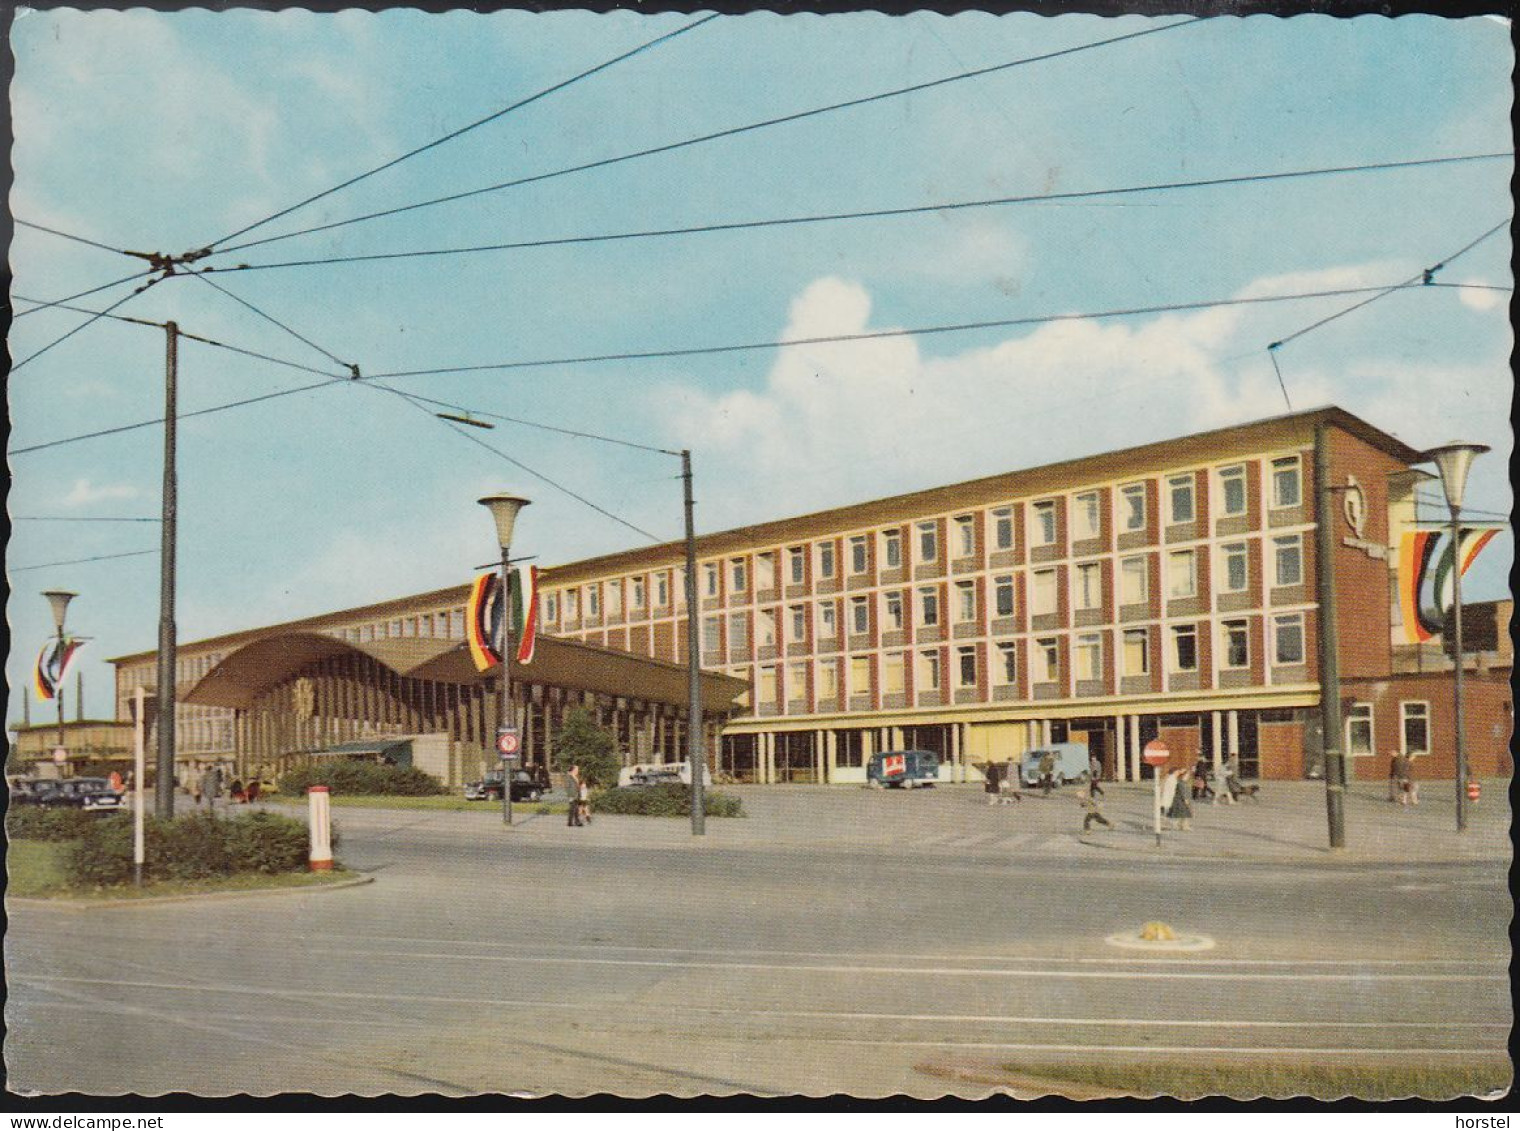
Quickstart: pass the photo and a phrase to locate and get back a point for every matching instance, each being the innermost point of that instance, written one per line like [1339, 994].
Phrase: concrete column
[1044, 732]
[1121, 767]
[1218, 739]
[955, 752]
[818, 771]
[1134, 747]
[769, 776]
[830, 754]
[897, 738]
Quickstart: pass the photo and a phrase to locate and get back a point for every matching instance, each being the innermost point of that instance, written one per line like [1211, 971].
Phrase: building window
[1137, 651]
[1359, 730]
[1414, 722]
[1132, 499]
[765, 571]
[965, 536]
[893, 673]
[1089, 656]
[1179, 492]
[1002, 528]
[1134, 582]
[860, 615]
[1184, 648]
[712, 637]
[1042, 600]
[928, 541]
[594, 601]
[638, 593]
[825, 559]
[860, 677]
[1232, 490]
[928, 603]
[551, 609]
[767, 688]
[1288, 560]
[572, 605]
[765, 628]
[1182, 574]
[739, 575]
[1047, 660]
[827, 628]
[1286, 487]
[796, 559]
[796, 682]
[1087, 586]
[799, 624]
[965, 601]
[1288, 638]
[858, 554]
[1045, 524]
[1085, 518]
[966, 660]
[1236, 567]
[710, 580]
[928, 671]
[891, 548]
[1007, 671]
[738, 633]
[662, 590]
[1236, 637]
[614, 598]
[1003, 594]
[893, 602]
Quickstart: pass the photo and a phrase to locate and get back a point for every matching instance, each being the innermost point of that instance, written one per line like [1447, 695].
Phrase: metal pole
[58, 693]
[1329, 649]
[1456, 580]
[139, 752]
[694, 752]
[163, 791]
[508, 720]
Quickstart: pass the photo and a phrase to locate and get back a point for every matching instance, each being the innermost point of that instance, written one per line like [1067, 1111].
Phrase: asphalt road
[632, 961]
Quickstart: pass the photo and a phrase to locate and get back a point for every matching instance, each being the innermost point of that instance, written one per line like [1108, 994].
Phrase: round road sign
[1474, 790]
[1156, 753]
[506, 742]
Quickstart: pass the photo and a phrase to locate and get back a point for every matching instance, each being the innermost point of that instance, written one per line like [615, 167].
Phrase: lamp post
[504, 509]
[1454, 460]
[59, 599]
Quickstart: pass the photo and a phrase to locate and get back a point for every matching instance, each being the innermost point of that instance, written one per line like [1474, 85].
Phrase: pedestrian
[573, 796]
[1232, 776]
[1408, 787]
[211, 785]
[253, 789]
[1047, 772]
[1222, 793]
[1008, 783]
[116, 782]
[1394, 782]
[1094, 773]
[1201, 779]
[585, 802]
[1087, 797]
[991, 782]
[1180, 809]
[195, 775]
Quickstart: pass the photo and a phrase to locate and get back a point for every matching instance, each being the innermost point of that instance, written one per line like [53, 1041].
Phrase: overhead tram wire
[75, 518]
[51, 303]
[869, 214]
[466, 129]
[86, 323]
[717, 135]
[875, 335]
[68, 236]
[81, 561]
[334, 358]
[540, 476]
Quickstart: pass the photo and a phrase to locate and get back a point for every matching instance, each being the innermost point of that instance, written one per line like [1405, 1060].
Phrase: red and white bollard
[1474, 789]
[320, 802]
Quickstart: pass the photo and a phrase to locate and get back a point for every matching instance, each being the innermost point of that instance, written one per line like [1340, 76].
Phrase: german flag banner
[1427, 560]
[483, 617]
[53, 665]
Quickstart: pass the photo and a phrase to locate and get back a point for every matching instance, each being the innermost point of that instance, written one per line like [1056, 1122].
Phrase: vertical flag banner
[483, 617]
[1427, 559]
[53, 665]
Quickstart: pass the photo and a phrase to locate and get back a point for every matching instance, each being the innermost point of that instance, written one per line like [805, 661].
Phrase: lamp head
[1454, 460]
[504, 508]
[59, 599]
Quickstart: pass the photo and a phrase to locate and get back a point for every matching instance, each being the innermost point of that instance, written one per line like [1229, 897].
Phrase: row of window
[1414, 729]
[1286, 647]
[447, 624]
[1181, 507]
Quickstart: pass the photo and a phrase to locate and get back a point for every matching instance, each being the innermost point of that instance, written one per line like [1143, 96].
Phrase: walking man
[573, 796]
[1047, 772]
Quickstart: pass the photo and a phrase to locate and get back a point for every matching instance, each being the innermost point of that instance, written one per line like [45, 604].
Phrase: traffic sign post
[506, 747]
[1157, 755]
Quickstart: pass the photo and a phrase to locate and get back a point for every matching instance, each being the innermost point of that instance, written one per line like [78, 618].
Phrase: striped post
[319, 800]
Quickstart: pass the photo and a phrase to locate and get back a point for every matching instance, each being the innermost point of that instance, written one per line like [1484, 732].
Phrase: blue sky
[164, 131]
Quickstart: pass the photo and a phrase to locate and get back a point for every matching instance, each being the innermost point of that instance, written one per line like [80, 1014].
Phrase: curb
[188, 897]
[1295, 855]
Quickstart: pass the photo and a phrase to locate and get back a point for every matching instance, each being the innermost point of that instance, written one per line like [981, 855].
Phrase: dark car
[94, 794]
[527, 785]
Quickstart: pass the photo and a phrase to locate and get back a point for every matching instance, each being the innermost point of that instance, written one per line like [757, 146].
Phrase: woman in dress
[1180, 809]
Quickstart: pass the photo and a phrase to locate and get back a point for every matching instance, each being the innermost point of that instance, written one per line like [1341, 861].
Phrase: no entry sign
[1156, 753]
[506, 743]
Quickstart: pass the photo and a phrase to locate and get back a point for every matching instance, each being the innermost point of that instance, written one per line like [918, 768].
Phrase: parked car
[1070, 762]
[31, 791]
[903, 769]
[94, 794]
[659, 773]
[527, 785]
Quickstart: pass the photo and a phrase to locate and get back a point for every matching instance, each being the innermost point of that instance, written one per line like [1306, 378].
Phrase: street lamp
[1454, 460]
[59, 599]
[504, 509]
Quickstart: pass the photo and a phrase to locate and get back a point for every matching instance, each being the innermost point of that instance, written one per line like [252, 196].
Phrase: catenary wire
[466, 129]
[50, 303]
[869, 214]
[540, 476]
[87, 322]
[74, 518]
[67, 235]
[334, 358]
[81, 561]
[700, 139]
[874, 335]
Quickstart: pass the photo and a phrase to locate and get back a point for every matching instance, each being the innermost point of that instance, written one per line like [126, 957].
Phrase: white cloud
[84, 493]
[1481, 299]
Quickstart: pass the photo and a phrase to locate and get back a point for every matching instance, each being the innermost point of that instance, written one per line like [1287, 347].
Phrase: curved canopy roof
[252, 670]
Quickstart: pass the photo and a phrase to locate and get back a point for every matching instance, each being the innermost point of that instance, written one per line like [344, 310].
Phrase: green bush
[347, 777]
[33, 822]
[195, 846]
[580, 741]
[664, 801]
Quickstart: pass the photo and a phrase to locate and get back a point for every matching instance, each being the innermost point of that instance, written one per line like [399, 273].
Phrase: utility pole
[163, 793]
[694, 751]
[1329, 651]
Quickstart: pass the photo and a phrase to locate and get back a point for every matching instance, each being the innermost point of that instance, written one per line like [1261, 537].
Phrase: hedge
[343, 776]
[38, 822]
[670, 800]
[195, 846]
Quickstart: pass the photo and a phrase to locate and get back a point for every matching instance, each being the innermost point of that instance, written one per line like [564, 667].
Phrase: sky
[171, 131]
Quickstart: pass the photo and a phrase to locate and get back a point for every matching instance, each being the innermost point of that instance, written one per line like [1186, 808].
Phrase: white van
[659, 773]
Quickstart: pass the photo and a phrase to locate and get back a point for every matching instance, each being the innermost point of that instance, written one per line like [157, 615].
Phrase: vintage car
[527, 785]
